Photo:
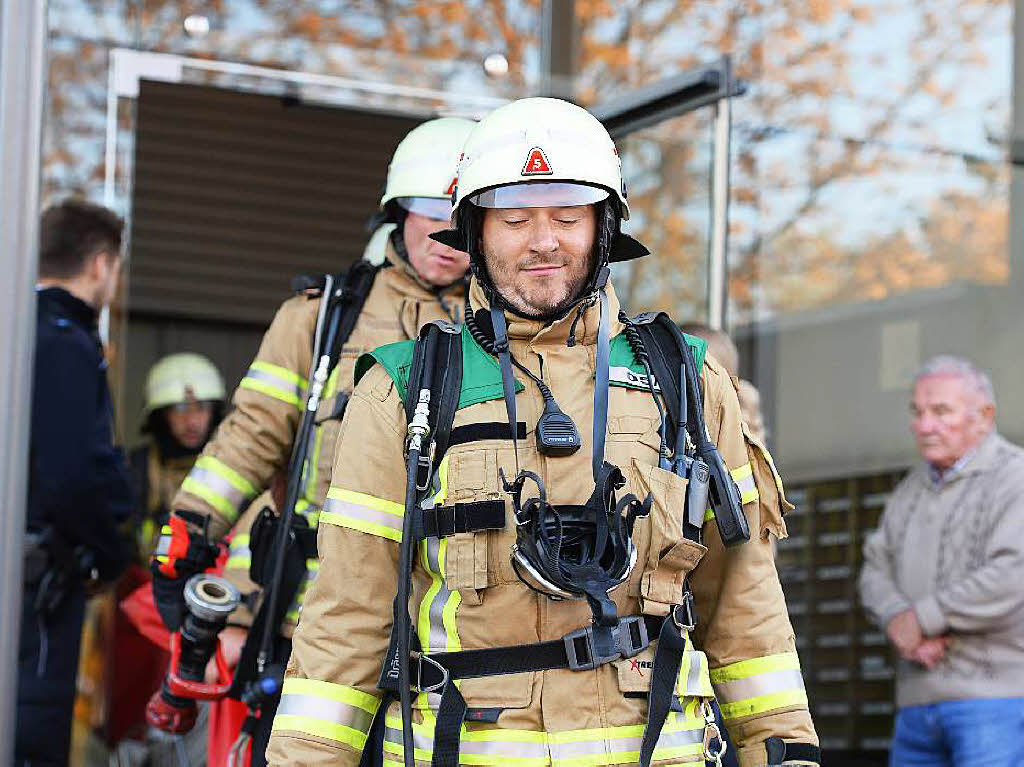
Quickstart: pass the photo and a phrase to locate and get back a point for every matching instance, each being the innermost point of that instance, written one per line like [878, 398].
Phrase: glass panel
[667, 176]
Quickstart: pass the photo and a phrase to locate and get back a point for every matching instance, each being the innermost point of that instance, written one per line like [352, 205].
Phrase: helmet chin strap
[601, 378]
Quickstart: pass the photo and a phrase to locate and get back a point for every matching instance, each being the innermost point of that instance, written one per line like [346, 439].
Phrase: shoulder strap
[358, 282]
[439, 351]
[670, 353]
[665, 349]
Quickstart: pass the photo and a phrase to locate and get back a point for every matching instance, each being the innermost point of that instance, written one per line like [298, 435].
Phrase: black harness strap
[444, 521]
[479, 432]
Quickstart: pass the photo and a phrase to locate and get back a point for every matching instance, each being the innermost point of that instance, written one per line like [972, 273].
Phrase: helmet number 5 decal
[537, 163]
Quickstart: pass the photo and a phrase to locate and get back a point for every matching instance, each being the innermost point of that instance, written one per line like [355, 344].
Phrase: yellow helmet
[181, 378]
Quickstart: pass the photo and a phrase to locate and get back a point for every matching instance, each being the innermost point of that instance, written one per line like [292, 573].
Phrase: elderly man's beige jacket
[954, 552]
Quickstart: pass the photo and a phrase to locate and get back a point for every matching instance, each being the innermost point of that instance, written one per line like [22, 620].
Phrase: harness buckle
[633, 638]
[587, 649]
[420, 658]
[687, 620]
[423, 466]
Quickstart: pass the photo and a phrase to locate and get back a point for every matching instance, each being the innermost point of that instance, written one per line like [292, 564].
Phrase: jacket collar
[407, 280]
[54, 300]
[978, 461]
[581, 323]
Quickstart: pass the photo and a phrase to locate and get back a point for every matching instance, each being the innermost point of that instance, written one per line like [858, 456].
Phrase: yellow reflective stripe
[709, 515]
[280, 372]
[313, 463]
[239, 555]
[275, 381]
[771, 464]
[758, 685]
[331, 691]
[761, 704]
[312, 570]
[219, 485]
[743, 476]
[365, 513]
[681, 737]
[745, 669]
[325, 710]
[332, 382]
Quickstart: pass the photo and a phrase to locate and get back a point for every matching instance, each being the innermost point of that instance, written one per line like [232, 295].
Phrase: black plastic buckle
[633, 638]
[585, 650]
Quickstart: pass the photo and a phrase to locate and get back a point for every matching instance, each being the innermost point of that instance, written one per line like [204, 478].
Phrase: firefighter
[574, 633]
[184, 402]
[422, 280]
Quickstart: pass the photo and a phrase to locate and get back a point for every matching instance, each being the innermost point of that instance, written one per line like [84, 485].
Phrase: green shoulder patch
[481, 374]
[626, 370]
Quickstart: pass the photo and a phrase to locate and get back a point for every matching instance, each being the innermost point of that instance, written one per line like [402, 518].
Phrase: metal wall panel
[235, 193]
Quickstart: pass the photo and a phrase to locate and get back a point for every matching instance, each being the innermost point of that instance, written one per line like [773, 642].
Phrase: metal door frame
[711, 86]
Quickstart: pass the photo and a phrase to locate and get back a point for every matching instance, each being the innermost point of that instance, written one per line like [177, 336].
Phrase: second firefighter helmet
[421, 176]
[183, 377]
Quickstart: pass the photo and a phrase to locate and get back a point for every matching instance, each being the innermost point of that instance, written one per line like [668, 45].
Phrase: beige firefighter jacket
[254, 441]
[466, 594]
[163, 477]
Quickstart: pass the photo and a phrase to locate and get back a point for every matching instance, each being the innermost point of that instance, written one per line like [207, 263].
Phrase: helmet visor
[543, 194]
[439, 208]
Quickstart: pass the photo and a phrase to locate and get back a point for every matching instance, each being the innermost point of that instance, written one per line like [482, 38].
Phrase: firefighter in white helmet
[421, 280]
[584, 561]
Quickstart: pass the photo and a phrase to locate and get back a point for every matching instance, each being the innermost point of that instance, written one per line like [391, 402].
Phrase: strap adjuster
[591, 646]
[633, 638]
[586, 650]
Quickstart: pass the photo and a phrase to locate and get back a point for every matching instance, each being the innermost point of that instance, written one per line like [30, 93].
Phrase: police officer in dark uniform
[79, 488]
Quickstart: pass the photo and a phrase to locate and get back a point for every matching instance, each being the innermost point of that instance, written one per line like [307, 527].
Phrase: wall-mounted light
[496, 65]
[196, 25]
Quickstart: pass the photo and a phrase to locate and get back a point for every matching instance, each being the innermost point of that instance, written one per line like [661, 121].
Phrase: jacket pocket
[773, 504]
[471, 560]
[670, 556]
[694, 680]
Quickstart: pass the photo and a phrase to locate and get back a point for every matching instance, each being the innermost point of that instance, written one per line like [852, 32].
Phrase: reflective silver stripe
[219, 485]
[163, 545]
[746, 485]
[438, 639]
[297, 704]
[364, 513]
[765, 683]
[693, 684]
[278, 382]
[510, 748]
[624, 745]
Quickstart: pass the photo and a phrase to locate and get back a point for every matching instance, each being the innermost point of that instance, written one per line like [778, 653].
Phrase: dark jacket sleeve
[80, 481]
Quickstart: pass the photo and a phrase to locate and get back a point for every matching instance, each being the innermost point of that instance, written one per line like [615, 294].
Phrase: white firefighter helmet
[539, 152]
[421, 176]
[181, 378]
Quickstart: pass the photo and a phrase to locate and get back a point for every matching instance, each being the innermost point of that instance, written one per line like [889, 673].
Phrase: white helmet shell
[539, 140]
[425, 161]
[180, 378]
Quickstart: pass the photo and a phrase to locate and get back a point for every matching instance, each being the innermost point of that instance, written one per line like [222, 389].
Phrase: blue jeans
[964, 733]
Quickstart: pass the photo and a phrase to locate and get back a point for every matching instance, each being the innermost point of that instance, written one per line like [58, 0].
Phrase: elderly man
[942, 576]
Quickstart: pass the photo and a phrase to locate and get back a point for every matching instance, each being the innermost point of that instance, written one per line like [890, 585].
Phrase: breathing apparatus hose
[418, 432]
[318, 379]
